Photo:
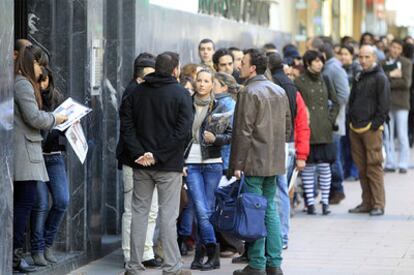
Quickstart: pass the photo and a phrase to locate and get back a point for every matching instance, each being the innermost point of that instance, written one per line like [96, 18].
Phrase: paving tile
[339, 244]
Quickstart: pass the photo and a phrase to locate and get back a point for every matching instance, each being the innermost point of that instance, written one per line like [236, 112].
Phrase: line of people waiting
[338, 97]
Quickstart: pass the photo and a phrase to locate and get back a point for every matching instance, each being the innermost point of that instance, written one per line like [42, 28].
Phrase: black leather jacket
[219, 128]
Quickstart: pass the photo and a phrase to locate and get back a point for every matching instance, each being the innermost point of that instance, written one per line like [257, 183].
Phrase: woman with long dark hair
[45, 223]
[29, 165]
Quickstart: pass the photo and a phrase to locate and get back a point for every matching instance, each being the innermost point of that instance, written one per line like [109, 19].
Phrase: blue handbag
[240, 214]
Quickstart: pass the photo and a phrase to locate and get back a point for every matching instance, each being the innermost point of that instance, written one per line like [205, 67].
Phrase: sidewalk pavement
[338, 244]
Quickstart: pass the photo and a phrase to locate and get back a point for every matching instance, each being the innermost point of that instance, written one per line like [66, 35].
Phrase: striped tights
[308, 180]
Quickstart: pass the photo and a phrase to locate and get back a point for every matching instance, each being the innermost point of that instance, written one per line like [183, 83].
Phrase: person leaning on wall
[29, 165]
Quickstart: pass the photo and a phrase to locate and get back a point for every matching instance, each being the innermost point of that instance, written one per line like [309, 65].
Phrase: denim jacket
[229, 104]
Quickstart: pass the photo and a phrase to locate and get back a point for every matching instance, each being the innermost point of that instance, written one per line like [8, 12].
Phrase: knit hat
[290, 52]
[144, 62]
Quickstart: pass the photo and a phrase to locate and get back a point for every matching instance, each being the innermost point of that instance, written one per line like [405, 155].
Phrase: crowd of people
[259, 114]
[339, 112]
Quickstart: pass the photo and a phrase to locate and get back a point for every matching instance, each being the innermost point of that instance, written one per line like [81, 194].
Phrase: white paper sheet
[77, 140]
[73, 110]
[293, 178]
[224, 181]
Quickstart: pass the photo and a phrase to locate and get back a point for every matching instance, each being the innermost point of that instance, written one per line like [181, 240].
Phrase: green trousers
[266, 252]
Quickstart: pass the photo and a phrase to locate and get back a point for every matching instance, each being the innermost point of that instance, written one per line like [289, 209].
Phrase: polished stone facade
[6, 134]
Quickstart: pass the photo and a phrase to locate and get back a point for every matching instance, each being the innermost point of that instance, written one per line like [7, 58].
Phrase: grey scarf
[201, 107]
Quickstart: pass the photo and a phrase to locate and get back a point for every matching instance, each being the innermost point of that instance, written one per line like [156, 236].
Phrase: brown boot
[274, 271]
[359, 209]
[336, 198]
[249, 271]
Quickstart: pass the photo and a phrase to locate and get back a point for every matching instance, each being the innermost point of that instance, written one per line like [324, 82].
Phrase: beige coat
[261, 127]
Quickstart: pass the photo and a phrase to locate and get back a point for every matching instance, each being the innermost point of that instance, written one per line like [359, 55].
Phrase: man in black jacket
[155, 121]
[144, 64]
[368, 109]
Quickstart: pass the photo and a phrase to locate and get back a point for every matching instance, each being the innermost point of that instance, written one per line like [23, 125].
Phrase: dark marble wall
[85, 38]
[59, 27]
[6, 138]
[99, 39]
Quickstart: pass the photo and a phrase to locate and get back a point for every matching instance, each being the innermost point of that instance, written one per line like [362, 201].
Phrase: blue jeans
[202, 181]
[349, 167]
[336, 168]
[398, 120]
[185, 227]
[282, 194]
[45, 223]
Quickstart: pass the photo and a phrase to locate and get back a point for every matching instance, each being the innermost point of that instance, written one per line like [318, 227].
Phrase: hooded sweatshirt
[156, 117]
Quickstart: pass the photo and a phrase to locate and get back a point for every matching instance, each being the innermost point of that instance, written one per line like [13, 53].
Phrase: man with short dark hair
[223, 61]
[368, 110]
[144, 64]
[206, 50]
[298, 144]
[262, 124]
[398, 70]
[237, 57]
[269, 48]
[155, 121]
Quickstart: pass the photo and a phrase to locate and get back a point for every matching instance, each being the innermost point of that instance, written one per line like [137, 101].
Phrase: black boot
[20, 264]
[311, 210]
[182, 245]
[200, 252]
[325, 209]
[213, 254]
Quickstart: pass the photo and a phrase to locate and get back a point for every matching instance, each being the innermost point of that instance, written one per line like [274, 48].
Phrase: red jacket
[302, 130]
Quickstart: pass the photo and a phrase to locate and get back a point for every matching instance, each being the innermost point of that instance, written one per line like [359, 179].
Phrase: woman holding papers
[29, 165]
[204, 166]
[45, 223]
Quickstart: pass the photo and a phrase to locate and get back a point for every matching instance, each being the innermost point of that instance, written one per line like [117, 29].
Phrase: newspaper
[224, 181]
[73, 110]
[77, 140]
[219, 122]
[293, 178]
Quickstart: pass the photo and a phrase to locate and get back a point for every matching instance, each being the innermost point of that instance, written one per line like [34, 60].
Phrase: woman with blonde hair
[204, 167]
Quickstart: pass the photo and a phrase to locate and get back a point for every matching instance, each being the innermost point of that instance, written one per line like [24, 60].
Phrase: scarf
[201, 107]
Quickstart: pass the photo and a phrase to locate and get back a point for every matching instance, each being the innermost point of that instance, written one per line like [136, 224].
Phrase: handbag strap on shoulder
[241, 184]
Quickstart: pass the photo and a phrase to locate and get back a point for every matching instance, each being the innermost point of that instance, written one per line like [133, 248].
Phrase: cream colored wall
[281, 12]
[282, 16]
